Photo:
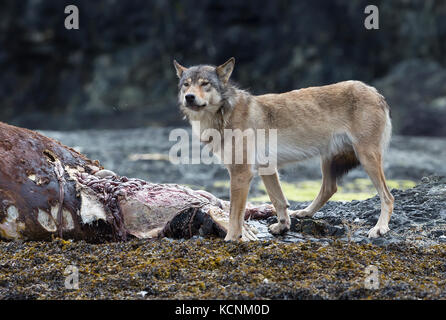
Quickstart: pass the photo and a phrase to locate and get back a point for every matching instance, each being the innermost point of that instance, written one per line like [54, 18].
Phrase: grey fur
[209, 73]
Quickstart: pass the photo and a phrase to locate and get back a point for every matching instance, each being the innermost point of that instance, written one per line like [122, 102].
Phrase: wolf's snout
[190, 98]
[193, 103]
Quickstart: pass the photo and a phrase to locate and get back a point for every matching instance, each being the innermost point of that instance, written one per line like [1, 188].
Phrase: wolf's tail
[342, 163]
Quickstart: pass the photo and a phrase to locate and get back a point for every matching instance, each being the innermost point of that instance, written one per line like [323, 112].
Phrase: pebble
[142, 293]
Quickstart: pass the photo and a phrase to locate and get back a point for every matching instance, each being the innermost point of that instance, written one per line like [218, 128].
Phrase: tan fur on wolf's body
[346, 124]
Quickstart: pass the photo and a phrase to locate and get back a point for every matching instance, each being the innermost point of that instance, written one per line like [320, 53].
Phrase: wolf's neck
[207, 121]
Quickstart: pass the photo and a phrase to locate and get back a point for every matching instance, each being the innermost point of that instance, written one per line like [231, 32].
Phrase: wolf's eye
[205, 83]
[186, 84]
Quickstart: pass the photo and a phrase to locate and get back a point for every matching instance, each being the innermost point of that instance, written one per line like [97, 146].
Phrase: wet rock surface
[419, 218]
[424, 101]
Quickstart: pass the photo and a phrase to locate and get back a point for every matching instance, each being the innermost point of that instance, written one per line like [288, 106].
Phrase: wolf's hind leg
[279, 201]
[372, 163]
[328, 188]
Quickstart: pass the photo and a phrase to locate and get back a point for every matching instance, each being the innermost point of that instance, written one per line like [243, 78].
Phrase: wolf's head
[202, 88]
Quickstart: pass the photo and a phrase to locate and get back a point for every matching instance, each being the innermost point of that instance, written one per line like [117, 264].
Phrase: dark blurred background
[116, 71]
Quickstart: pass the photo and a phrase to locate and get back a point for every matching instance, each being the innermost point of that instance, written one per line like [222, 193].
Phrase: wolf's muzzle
[192, 103]
[190, 98]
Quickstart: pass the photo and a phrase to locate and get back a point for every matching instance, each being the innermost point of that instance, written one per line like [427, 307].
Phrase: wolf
[346, 124]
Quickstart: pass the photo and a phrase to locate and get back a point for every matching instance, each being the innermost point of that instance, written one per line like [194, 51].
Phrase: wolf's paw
[301, 214]
[233, 237]
[249, 233]
[278, 228]
[378, 231]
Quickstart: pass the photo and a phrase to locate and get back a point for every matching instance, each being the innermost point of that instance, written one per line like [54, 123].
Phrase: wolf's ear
[224, 71]
[180, 69]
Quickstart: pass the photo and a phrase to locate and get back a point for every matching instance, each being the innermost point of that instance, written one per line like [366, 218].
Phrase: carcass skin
[49, 190]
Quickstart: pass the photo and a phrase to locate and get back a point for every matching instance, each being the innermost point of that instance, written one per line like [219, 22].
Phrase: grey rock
[413, 220]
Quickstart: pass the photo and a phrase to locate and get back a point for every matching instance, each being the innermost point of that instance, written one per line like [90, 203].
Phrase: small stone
[142, 293]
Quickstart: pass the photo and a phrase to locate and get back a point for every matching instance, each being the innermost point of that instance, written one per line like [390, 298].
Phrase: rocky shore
[213, 269]
[419, 218]
[321, 258]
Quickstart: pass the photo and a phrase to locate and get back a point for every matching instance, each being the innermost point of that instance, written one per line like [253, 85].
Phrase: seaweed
[213, 269]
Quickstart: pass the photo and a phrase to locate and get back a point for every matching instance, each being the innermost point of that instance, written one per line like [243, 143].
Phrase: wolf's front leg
[241, 177]
[272, 185]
